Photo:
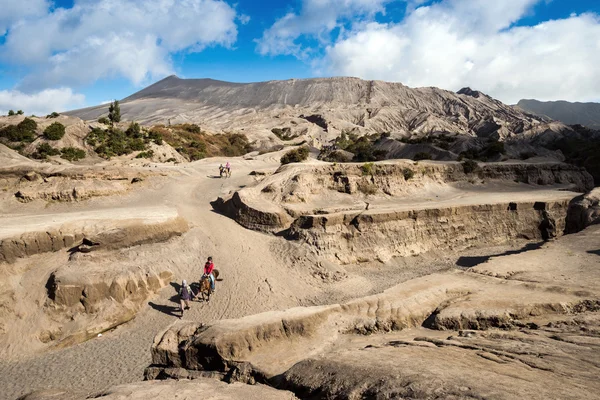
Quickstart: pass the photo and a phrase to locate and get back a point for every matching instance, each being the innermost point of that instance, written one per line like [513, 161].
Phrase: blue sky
[74, 53]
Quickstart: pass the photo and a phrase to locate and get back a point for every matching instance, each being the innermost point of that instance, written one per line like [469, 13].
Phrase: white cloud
[317, 18]
[106, 38]
[40, 103]
[457, 43]
[13, 11]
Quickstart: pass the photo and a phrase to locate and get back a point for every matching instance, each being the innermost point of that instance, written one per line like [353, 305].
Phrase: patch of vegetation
[198, 145]
[11, 113]
[44, 150]
[336, 156]
[284, 134]
[20, 112]
[24, 131]
[54, 131]
[145, 154]
[114, 112]
[366, 187]
[367, 168]
[104, 121]
[53, 114]
[134, 130]
[470, 166]
[408, 174]
[363, 147]
[114, 142]
[295, 156]
[72, 154]
[422, 156]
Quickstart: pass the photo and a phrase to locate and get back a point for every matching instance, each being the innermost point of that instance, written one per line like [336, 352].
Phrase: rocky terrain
[473, 275]
[318, 110]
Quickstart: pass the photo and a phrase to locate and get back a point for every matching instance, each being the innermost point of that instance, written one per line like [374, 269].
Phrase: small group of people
[186, 294]
[225, 170]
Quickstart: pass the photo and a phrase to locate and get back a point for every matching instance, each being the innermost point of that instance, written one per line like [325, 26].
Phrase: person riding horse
[208, 273]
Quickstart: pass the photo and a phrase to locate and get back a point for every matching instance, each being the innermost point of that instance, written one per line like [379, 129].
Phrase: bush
[11, 113]
[367, 168]
[20, 112]
[470, 166]
[337, 156]
[366, 187]
[54, 114]
[191, 128]
[72, 154]
[44, 151]
[146, 154]
[54, 131]
[408, 173]
[104, 120]
[156, 136]
[295, 156]
[284, 134]
[25, 131]
[134, 130]
[422, 156]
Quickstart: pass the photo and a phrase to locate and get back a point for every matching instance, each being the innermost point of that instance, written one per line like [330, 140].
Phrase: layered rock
[351, 212]
[506, 320]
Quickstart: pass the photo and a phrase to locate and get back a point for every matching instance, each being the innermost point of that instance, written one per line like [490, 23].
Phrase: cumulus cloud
[41, 103]
[106, 38]
[456, 43]
[14, 11]
[317, 18]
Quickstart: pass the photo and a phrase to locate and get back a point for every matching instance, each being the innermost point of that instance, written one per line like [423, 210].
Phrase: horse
[205, 285]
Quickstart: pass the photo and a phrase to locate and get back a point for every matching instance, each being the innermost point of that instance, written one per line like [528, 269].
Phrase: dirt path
[259, 273]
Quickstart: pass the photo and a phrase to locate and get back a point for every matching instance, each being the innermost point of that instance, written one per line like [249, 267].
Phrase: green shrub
[156, 136]
[104, 120]
[20, 112]
[191, 128]
[367, 168]
[54, 131]
[72, 153]
[134, 130]
[54, 114]
[422, 156]
[295, 156]
[44, 150]
[470, 166]
[336, 156]
[11, 113]
[145, 154]
[408, 173]
[284, 134]
[25, 131]
[172, 159]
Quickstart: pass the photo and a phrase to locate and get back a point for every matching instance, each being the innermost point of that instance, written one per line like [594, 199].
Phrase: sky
[66, 54]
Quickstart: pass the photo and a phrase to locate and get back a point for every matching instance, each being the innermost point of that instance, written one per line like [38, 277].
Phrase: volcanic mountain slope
[322, 108]
[587, 114]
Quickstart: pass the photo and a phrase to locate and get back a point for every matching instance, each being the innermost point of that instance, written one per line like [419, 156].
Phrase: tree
[114, 112]
[20, 112]
[54, 131]
[11, 112]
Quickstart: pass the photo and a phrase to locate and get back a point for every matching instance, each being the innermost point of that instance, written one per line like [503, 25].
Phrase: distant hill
[319, 110]
[586, 114]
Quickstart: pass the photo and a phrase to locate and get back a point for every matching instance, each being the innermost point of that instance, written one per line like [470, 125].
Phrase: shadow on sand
[169, 310]
[470, 262]
[596, 252]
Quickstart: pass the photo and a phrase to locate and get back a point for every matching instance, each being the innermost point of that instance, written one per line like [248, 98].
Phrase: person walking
[185, 295]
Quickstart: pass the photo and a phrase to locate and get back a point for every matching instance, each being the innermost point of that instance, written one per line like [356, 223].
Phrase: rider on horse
[208, 272]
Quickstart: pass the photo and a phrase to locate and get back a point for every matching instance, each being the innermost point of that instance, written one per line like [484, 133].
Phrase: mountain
[320, 109]
[586, 114]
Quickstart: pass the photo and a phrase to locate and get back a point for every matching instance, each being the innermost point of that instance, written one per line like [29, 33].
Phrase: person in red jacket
[208, 272]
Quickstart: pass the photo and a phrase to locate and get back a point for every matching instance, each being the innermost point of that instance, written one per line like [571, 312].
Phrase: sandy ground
[257, 270]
